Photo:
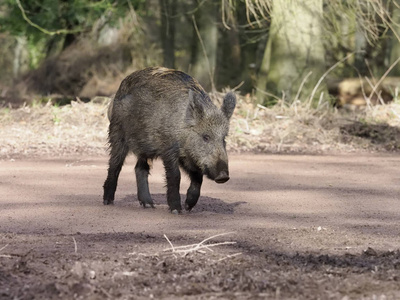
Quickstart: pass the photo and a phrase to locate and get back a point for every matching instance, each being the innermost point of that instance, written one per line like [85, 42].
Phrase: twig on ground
[4, 255]
[75, 244]
[2, 248]
[172, 246]
[229, 256]
[186, 249]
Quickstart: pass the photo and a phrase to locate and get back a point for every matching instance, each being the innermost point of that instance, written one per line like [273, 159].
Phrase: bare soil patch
[305, 227]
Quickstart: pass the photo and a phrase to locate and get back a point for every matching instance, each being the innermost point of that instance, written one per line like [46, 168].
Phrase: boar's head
[207, 128]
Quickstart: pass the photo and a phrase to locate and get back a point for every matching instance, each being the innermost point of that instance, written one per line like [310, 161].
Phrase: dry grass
[50, 130]
[297, 128]
[81, 128]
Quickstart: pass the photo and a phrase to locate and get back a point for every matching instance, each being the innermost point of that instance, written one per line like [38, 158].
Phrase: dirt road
[305, 227]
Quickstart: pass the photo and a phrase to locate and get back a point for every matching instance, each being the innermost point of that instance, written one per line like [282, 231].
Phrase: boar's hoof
[188, 207]
[176, 212]
[108, 202]
[144, 204]
[222, 177]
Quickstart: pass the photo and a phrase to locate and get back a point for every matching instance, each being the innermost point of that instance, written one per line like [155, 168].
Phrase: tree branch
[60, 31]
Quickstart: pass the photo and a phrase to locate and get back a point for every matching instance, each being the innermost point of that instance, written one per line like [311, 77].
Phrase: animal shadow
[205, 204]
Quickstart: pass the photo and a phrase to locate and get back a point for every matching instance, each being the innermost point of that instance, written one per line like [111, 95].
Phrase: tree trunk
[168, 12]
[20, 61]
[230, 66]
[294, 49]
[206, 34]
[395, 42]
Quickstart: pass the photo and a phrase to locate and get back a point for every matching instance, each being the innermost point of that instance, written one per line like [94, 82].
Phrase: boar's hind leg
[193, 192]
[118, 153]
[173, 176]
[142, 173]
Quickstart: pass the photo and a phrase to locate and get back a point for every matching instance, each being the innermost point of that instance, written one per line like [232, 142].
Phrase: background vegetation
[273, 49]
[290, 62]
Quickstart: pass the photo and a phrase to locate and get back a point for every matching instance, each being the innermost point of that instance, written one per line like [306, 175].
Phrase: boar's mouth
[222, 177]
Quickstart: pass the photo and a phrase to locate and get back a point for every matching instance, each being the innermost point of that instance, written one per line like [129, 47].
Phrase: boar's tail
[110, 107]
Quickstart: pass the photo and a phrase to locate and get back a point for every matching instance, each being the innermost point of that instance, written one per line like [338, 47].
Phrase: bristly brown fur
[177, 81]
[172, 74]
[160, 112]
[161, 71]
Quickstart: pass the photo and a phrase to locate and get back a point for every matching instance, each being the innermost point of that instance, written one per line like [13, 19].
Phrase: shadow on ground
[136, 264]
[205, 204]
[379, 134]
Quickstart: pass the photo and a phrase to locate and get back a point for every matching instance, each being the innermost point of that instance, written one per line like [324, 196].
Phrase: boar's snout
[222, 177]
[222, 172]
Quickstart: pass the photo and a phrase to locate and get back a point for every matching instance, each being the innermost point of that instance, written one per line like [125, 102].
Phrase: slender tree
[395, 40]
[168, 13]
[294, 49]
[205, 31]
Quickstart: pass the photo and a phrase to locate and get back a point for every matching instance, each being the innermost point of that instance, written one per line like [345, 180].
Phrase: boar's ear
[229, 104]
[195, 109]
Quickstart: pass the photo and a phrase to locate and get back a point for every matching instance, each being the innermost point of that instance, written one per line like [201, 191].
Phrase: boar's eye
[206, 138]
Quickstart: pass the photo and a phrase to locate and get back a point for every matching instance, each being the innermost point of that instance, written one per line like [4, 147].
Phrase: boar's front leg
[173, 176]
[193, 192]
[119, 150]
[142, 174]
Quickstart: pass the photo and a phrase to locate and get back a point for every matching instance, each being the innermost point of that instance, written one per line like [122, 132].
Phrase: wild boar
[160, 112]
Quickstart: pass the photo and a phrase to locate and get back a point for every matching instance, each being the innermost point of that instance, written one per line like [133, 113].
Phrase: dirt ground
[296, 227]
